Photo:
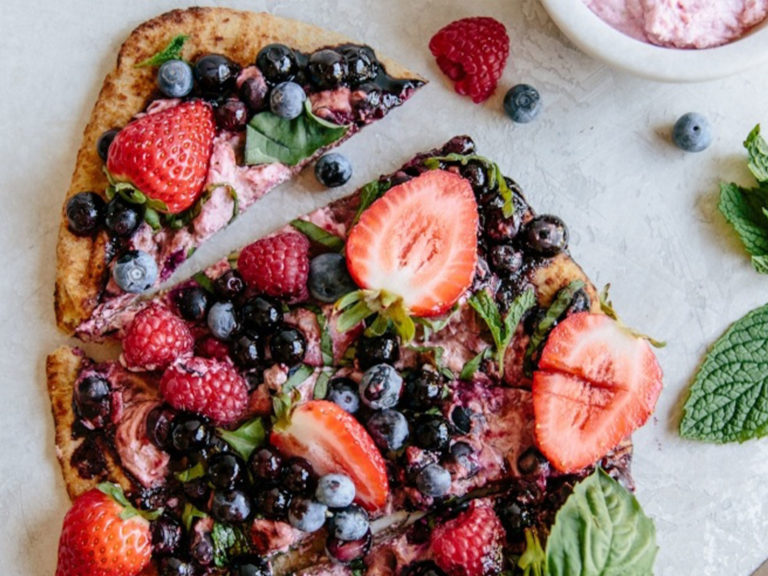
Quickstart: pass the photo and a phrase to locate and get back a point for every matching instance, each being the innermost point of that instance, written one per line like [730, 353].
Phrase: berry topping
[208, 387]
[372, 350]
[155, 338]
[261, 315]
[333, 170]
[189, 432]
[423, 389]
[426, 568]
[253, 92]
[248, 351]
[277, 63]
[277, 265]
[92, 399]
[545, 235]
[135, 271]
[122, 218]
[522, 103]
[104, 141]
[172, 566]
[85, 212]
[472, 52]
[348, 551]
[175, 79]
[98, 538]
[692, 132]
[343, 391]
[287, 100]
[222, 320]
[266, 465]
[166, 154]
[273, 503]
[229, 285]
[297, 476]
[225, 470]
[335, 490]
[470, 544]
[362, 65]
[216, 74]
[389, 430]
[596, 382]
[350, 523]
[432, 433]
[231, 115]
[166, 535]
[409, 244]
[329, 278]
[192, 303]
[334, 442]
[327, 69]
[230, 506]
[433, 480]
[251, 566]
[306, 515]
[288, 346]
[380, 387]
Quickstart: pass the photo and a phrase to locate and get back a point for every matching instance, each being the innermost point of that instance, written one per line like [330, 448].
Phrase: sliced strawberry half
[333, 441]
[595, 384]
[418, 241]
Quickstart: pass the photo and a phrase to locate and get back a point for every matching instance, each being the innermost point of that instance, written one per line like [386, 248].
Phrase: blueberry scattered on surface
[222, 320]
[545, 235]
[433, 480]
[380, 387]
[159, 422]
[462, 455]
[288, 346]
[230, 506]
[388, 429]
[175, 78]
[102, 144]
[85, 212]
[329, 278]
[92, 398]
[248, 351]
[229, 285]
[333, 169]
[362, 65]
[122, 218]
[135, 271]
[192, 303]
[343, 392]
[277, 63]
[166, 534]
[692, 132]
[423, 389]
[522, 103]
[215, 73]
[307, 515]
[335, 490]
[461, 417]
[350, 523]
[287, 100]
[253, 92]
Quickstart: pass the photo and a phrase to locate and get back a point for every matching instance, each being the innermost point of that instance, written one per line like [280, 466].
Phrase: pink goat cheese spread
[682, 23]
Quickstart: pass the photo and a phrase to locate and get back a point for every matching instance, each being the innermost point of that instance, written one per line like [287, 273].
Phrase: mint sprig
[246, 438]
[171, 52]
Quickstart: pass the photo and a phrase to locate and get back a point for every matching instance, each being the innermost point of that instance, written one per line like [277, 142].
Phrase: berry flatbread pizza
[416, 379]
[206, 111]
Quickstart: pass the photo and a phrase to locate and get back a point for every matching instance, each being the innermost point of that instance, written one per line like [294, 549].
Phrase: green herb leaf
[757, 149]
[369, 194]
[171, 52]
[299, 376]
[197, 471]
[745, 210]
[533, 562]
[228, 542]
[728, 400]
[487, 309]
[189, 515]
[600, 530]
[270, 138]
[326, 343]
[246, 438]
[318, 235]
[469, 369]
[359, 305]
[321, 385]
[202, 280]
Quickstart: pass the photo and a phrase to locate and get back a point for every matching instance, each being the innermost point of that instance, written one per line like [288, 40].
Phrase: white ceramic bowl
[597, 38]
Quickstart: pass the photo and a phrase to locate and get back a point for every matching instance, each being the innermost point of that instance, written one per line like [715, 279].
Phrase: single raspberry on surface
[277, 266]
[470, 544]
[206, 386]
[155, 338]
[472, 52]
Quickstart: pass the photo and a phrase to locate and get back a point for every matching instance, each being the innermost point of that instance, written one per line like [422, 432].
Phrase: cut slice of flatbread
[83, 263]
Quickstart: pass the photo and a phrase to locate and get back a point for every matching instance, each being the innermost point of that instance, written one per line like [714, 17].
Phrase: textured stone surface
[642, 216]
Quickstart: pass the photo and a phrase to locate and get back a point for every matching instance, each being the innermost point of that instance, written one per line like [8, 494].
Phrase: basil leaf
[728, 400]
[298, 377]
[601, 530]
[318, 235]
[171, 52]
[270, 138]
[757, 148]
[369, 194]
[228, 542]
[246, 438]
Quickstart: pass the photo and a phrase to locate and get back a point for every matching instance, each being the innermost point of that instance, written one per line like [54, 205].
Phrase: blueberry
[327, 69]
[92, 399]
[432, 433]
[229, 285]
[349, 524]
[250, 566]
[329, 279]
[505, 259]
[248, 351]
[306, 515]
[230, 506]
[192, 303]
[516, 515]
[85, 212]
[261, 315]
[231, 115]
[388, 429]
[175, 78]
[522, 103]
[225, 470]
[189, 432]
[545, 235]
[122, 218]
[265, 465]
[477, 176]
[345, 552]
[463, 455]
[277, 63]
[372, 350]
[166, 534]
[104, 141]
[298, 477]
[462, 145]
[172, 566]
[692, 132]
[462, 419]
[433, 480]
[222, 320]
[343, 391]
[201, 547]
[423, 389]
[135, 271]
[216, 74]
[273, 503]
[380, 387]
[253, 92]
[335, 490]
[362, 65]
[531, 461]
[287, 100]
[333, 169]
[288, 346]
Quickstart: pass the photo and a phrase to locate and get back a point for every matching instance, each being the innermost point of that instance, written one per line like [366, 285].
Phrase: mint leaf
[190, 514]
[321, 386]
[469, 369]
[326, 343]
[299, 376]
[368, 195]
[757, 148]
[202, 280]
[487, 309]
[228, 542]
[197, 471]
[171, 52]
[315, 234]
[246, 438]
[270, 138]
[745, 210]
[728, 400]
[601, 530]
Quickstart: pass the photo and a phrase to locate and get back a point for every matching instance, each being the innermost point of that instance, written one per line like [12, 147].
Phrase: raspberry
[470, 544]
[205, 386]
[210, 347]
[277, 266]
[155, 339]
[472, 52]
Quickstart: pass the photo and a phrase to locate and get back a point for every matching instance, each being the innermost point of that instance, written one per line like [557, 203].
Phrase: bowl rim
[593, 35]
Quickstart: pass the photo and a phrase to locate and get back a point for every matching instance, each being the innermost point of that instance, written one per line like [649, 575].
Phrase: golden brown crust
[556, 274]
[81, 262]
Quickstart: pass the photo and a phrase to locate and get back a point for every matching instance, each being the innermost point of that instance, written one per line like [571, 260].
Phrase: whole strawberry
[206, 386]
[472, 52]
[155, 338]
[166, 154]
[470, 544]
[102, 536]
[277, 266]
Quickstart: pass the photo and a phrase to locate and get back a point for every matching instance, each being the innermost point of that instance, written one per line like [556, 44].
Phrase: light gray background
[642, 216]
